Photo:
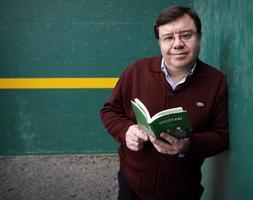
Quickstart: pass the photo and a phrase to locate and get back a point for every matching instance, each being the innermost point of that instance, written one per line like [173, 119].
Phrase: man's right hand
[135, 139]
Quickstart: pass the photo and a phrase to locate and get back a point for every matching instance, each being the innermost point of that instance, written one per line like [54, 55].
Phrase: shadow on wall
[216, 169]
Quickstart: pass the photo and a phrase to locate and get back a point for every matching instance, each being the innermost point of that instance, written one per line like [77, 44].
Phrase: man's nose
[178, 43]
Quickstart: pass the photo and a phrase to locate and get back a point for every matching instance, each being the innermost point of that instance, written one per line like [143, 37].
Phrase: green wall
[42, 38]
[77, 38]
[228, 44]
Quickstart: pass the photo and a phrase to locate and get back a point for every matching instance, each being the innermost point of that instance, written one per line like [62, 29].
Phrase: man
[169, 169]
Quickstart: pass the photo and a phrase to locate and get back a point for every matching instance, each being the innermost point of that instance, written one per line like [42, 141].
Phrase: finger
[130, 134]
[135, 146]
[168, 138]
[159, 142]
[151, 138]
[141, 135]
[165, 149]
[136, 134]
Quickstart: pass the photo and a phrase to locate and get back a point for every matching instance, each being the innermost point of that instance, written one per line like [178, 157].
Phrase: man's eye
[186, 36]
[169, 38]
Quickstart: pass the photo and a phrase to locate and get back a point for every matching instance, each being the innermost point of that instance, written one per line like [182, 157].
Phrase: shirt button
[181, 155]
[162, 159]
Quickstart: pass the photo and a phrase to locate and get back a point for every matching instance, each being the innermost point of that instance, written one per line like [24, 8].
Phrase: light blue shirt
[169, 80]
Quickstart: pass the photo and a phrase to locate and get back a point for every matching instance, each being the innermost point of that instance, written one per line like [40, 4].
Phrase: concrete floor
[65, 177]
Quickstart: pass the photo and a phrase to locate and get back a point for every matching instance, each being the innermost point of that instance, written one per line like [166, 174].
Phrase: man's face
[178, 49]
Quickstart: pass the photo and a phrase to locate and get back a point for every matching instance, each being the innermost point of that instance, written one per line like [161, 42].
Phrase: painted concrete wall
[228, 45]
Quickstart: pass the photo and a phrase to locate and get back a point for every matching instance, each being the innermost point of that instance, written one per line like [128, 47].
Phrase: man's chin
[180, 64]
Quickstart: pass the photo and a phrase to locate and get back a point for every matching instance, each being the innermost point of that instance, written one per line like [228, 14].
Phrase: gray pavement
[59, 177]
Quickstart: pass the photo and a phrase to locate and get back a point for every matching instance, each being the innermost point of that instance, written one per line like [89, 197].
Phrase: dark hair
[172, 13]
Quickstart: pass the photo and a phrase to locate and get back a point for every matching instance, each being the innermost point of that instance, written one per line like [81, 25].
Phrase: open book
[175, 121]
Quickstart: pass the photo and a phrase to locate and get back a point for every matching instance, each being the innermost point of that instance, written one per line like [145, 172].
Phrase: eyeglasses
[185, 36]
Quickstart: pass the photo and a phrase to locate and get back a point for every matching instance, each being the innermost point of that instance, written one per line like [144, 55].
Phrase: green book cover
[175, 121]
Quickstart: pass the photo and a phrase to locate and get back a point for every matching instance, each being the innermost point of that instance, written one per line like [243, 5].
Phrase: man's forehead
[183, 23]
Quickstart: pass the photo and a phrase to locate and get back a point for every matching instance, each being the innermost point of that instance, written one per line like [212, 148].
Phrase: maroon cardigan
[204, 95]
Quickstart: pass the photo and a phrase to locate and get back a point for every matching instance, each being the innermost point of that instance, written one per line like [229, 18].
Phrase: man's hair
[172, 13]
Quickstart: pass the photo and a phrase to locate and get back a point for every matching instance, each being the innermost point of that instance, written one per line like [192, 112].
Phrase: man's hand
[135, 139]
[171, 145]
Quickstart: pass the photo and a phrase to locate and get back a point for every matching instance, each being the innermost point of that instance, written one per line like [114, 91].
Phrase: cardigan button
[161, 178]
[170, 94]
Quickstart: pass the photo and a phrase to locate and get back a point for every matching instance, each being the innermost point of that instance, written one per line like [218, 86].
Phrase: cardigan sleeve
[116, 115]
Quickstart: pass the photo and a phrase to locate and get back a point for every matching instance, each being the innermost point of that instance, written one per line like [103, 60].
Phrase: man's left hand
[171, 145]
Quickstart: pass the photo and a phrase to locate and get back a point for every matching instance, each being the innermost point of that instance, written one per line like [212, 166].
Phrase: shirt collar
[167, 76]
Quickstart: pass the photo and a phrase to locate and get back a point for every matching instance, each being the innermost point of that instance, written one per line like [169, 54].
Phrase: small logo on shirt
[200, 104]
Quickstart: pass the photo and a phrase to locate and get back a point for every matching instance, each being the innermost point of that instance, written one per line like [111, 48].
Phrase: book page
[167, 112]
[143, 108]
[141, 118]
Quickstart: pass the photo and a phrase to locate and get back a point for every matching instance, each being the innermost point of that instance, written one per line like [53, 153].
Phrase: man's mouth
[179, 54]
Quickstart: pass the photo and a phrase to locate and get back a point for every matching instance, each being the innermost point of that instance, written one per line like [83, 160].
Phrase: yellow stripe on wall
[55, 83]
